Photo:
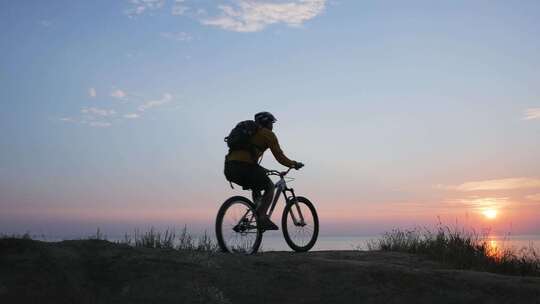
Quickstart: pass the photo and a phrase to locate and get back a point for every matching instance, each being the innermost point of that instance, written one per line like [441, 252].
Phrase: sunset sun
[490, 213]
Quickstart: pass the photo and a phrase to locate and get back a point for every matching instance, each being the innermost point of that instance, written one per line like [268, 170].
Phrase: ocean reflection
[501, 246]
[493, 247]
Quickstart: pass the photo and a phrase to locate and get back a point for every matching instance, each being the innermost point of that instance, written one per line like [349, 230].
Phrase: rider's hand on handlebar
[298, 165]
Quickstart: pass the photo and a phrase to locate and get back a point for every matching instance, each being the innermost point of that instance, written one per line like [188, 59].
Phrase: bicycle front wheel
[236, 226]
[300, 224]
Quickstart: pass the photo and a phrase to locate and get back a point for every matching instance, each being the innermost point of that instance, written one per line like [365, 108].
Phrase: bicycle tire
[284, 225]
[222, 242]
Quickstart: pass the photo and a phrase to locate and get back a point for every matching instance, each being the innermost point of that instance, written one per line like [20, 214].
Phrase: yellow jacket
[263, 139]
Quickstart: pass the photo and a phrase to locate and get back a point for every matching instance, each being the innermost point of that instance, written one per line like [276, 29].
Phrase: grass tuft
[25, 236]
[153, 238]
[169, 239]
[460, 249]
[99, 236]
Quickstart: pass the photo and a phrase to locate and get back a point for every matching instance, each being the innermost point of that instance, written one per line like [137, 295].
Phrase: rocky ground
[94, 271]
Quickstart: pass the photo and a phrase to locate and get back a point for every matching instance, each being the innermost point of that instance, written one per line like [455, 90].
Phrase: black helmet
[265, 118]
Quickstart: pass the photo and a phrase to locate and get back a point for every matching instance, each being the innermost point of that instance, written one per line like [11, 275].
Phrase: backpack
[240, 136]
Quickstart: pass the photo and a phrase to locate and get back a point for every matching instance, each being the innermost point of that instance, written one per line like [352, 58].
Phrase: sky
[405, 113]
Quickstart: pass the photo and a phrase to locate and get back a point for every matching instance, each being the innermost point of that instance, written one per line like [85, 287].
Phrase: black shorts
[249, 176]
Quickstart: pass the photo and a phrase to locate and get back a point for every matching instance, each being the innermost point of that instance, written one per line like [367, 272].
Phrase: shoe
[264, 223]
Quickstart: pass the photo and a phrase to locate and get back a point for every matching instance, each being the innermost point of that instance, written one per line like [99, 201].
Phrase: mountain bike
[236, 222]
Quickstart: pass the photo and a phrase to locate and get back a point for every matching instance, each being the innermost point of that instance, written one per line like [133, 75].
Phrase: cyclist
[242, 166]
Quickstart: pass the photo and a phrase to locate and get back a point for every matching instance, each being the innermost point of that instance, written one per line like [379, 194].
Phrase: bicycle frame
[244, 235]
[281, 188]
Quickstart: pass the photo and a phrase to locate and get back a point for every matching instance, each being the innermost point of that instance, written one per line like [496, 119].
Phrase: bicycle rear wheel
[300, 224]
[236, 226]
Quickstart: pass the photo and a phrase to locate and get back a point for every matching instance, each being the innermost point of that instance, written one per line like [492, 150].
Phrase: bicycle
[236, 222]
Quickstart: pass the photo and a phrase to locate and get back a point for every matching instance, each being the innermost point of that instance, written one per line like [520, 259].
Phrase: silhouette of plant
[461, 249]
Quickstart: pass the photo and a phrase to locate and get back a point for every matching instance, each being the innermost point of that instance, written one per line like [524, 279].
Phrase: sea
[274, 241]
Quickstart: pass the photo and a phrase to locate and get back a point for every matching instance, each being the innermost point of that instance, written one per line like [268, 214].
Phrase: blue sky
[114, 112]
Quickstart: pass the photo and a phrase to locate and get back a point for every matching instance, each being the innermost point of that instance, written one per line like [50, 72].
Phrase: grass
[461, 249]
[25, 236]
[168, 239]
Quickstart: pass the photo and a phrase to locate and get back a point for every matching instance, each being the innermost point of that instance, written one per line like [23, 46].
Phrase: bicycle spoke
[302, 232]
[238, 230]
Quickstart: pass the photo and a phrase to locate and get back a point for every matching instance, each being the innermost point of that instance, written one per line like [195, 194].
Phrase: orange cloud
[495, 184]
[533, 197]
[532, 113]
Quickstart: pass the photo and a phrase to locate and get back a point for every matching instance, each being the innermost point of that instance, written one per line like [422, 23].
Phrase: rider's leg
[266, 200]
[264, 221]
[256, 196]
[258, 180]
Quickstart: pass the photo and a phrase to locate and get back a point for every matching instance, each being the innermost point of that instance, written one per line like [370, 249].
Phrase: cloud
[177, 36]
[495, 184]
[253, 15]
[138, 7]
[133, 54]
[45, 23]
[98, 111]
[131, 116]
[118, 94]
[105, 117]
[479, 203]
[532, 113]
[156, 103]
[179, 8]
[533, 197]
[482, 203]
[92, 92]
[100, 124]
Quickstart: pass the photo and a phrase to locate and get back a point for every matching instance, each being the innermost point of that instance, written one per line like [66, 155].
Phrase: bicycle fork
[292, 198]
[281, 188]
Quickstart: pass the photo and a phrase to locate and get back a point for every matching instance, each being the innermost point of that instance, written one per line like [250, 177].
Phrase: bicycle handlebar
[276, 172]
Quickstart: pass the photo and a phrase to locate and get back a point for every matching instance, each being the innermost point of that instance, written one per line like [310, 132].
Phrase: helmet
[265, 118]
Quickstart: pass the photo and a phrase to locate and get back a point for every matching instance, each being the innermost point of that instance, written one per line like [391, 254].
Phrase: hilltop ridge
[96, 271]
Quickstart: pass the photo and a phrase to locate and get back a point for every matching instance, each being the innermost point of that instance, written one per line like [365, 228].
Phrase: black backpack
[240, 136]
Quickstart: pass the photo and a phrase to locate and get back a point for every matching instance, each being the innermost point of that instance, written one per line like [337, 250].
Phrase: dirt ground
[91, 271]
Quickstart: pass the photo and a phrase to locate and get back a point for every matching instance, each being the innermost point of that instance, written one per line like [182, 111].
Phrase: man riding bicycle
[242, 165]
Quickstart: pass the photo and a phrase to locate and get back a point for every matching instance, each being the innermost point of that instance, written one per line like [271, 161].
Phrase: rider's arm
[273, 144]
